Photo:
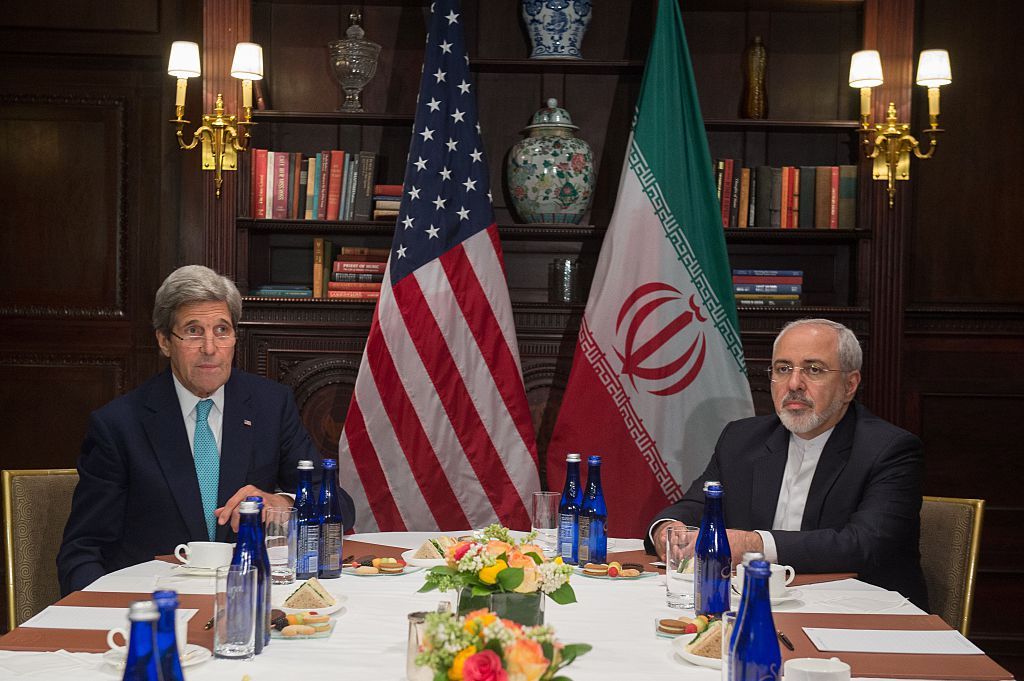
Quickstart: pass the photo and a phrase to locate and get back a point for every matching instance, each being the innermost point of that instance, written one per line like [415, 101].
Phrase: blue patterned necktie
[207, 464]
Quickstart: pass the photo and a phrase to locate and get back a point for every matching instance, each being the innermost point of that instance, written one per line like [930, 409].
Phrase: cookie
[595, 569]
[367, 570]
[298, 630]
[672, 626]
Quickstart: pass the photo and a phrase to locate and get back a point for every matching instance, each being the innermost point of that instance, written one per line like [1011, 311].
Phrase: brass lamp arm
[933, 143]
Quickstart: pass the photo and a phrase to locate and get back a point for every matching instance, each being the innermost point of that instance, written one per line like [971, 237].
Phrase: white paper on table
[889, 641]
[81, 617]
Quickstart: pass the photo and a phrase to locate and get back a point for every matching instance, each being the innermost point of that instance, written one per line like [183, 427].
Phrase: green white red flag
[659, 366]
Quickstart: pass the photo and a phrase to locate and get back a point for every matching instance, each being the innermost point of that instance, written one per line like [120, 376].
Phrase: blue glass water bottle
[264, 566]
[593, 540]
[166, 635]
[740, 612]
[308, 544]
[755, 654]
[712, 557]
[142, 663]
[569, 511]
[247, 556]
[332, 530]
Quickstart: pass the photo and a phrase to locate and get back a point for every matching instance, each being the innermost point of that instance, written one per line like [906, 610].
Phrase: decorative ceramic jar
[551, 171]
[526, 609]
[556, 27]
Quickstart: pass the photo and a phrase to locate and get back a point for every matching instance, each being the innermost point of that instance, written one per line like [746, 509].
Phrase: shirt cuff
[654, 526]
[771, 554]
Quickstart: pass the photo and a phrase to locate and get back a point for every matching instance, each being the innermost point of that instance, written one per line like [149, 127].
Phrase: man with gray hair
[170, 462]
[822, 485]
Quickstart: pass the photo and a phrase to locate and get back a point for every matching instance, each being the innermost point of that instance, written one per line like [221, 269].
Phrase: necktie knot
[203, 410]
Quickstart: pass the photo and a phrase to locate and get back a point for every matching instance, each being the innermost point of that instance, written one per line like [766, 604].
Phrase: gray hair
[193, 284]
[850, 355]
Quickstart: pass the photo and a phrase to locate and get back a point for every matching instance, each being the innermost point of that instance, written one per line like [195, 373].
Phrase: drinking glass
[234, 612]
[728, 624]
[544, 519]
[679, 544]
[282, 534]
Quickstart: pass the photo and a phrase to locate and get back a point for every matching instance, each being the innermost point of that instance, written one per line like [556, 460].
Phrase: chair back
[950, 537]
[36, 506]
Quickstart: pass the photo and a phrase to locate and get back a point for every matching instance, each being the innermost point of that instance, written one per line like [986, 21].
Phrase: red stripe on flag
[423, 461]
[492, 232]
[371, 475]
[483, 323]
[457, 402]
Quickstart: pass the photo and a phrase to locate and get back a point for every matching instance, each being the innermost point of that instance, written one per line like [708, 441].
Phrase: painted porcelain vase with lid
[551, 171]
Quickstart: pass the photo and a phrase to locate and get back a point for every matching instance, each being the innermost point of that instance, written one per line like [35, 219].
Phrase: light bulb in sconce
[183, 64]
[247, 66]
[865, 73]
[933, 71]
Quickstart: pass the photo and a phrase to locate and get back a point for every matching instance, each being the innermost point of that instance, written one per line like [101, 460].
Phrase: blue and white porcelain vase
[556, 27]
[551, 171]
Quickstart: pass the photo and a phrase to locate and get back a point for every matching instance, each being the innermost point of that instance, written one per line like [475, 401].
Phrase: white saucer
[188, 570]
[788, 597]
[193, 655]
[421, 562]
[679, 648]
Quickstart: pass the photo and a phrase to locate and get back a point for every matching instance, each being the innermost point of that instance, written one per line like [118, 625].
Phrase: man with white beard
[823, 485]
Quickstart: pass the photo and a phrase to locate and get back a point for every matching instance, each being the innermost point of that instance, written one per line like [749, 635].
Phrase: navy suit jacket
[138, 493]
[863, 510]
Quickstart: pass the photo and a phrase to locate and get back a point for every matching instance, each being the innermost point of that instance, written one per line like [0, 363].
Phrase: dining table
[618, 617]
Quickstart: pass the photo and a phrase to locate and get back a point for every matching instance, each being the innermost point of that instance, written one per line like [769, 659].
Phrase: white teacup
[204, 554]
[180, 633]
[782, 577]
[816, 669]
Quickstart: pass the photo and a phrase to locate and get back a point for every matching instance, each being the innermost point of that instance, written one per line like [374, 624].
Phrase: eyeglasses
[223, 337]
[813, 373]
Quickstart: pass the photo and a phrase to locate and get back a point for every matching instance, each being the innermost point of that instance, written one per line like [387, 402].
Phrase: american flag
[438, 434]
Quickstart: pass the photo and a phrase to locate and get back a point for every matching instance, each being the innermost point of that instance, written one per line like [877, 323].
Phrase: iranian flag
[659, 367]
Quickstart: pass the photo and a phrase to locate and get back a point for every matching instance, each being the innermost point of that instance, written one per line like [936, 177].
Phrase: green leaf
[536, 558]
[427, 586]
[479, 590]
[510, 578]
[548, 649]
[563, 595]
[573, 650]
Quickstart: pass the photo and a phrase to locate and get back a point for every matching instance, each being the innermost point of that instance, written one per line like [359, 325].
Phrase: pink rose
[484, 666]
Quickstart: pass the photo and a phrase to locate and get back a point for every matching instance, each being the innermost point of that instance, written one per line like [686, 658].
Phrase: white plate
[189, 571]
[679, 648]
[645, 573]
[193, 655]
[790, 596]
[421, 562]
[408, 569]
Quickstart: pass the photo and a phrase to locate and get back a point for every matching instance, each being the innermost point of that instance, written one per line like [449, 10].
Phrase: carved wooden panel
[63, 232]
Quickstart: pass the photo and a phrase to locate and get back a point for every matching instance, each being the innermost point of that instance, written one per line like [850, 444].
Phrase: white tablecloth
[616, 617]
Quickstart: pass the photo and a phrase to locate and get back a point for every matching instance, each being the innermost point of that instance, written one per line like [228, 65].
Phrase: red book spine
[353, 295]
[325, 173]
[753, 279]
[370, 267]
[387, 190]
[353, 286]
[833, 200]
[280, 204]
[259, 187]
[727, 191]
[334, 184]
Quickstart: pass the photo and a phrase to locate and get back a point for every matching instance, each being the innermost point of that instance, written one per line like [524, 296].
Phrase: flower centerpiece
[510, 577]
[483, 647]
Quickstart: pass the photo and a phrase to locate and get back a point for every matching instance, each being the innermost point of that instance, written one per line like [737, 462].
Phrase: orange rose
[525, 660]
[496, 548]
[532, 548]
[529, 583]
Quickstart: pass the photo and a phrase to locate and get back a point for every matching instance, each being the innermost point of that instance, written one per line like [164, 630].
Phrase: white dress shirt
[801, 463]
[188, 403]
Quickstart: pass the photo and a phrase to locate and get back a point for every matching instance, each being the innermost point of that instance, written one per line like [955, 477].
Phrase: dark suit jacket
[863, 507]
[138, 494]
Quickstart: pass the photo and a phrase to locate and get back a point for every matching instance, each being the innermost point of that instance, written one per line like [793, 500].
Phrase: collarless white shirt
[188, 402]
[801, 462]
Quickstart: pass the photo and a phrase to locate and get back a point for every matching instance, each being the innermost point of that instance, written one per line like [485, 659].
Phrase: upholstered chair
[950, 537]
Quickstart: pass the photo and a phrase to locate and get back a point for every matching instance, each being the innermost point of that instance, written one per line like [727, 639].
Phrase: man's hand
[658, 536]
[229, 511]
[742, 541]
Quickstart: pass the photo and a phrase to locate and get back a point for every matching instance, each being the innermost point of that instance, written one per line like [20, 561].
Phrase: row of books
[355, 273]
[331, 185]
[789, 197]
[767, 288]
[387, 199]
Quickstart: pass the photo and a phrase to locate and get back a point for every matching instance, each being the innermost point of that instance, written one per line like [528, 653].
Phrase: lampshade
[248, 62]
[184, 61]
[865, 69]
[933, 68]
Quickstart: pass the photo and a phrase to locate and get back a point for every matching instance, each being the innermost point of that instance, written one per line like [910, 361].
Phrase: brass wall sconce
[889, 145]
[222, 137]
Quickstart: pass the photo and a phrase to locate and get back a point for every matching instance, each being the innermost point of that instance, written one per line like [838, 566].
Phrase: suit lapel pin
[246, 422]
